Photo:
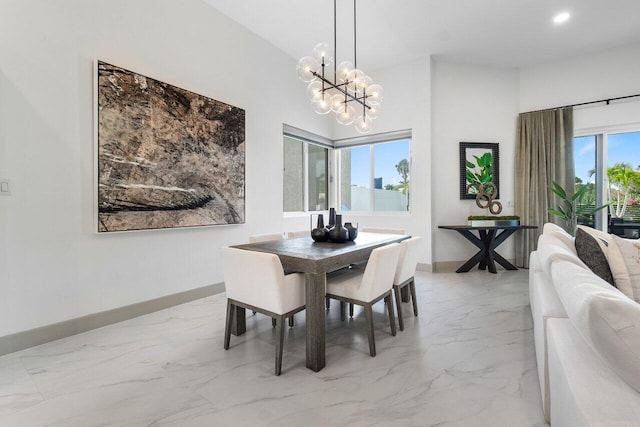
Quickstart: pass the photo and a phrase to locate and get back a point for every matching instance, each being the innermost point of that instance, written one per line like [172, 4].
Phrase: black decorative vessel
[320, 233]
[338, 234]
[353, 231]
[332, 218]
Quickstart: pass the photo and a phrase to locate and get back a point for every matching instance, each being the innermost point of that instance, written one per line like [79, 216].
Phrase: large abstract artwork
[167, 157]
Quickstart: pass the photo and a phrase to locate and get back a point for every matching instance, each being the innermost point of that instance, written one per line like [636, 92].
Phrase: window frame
[307, 138]
[601, 135]
[372, 172]
[334, 177]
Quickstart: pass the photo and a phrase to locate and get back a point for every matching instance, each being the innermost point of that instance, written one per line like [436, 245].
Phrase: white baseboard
[26, 339]
[425, 267]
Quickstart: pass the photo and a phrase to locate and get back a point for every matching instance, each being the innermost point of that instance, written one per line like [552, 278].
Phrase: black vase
[320, 234]
[332, 218]
[339, 234]
[353, 231]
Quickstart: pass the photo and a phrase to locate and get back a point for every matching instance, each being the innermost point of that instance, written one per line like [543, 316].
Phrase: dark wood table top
[304, 255]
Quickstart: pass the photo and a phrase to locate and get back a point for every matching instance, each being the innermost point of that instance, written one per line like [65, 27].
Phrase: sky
[622, 148]
[387, 156]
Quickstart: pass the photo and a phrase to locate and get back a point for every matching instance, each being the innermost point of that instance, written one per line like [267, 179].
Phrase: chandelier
[349, 92]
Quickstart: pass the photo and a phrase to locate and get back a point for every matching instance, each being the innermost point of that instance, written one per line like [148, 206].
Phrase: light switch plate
[5, 187]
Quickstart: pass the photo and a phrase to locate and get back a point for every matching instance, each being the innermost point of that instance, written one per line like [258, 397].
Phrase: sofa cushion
[550, 249]
[607, 319]
[601, 237]
[559, 232]
[592, 255]
[624, 260]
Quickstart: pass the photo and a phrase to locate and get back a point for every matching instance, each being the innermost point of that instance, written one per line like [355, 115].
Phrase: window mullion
[602, 181]
[372, 199]
[305, 177]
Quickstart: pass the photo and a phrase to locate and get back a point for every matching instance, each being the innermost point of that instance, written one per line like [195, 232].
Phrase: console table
[488, 239]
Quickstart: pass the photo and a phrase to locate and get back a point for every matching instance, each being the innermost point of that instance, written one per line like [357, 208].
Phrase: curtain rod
[608, 101]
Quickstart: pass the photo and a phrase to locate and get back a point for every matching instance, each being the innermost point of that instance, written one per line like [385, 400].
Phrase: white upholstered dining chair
[257, 238]
[382, 230]
[404, 275]
[298, 233]
[368, 286]
[256, 281]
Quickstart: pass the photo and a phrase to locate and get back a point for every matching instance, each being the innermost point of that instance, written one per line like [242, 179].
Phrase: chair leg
[342, 310]
[291, 321]
[396, 290]
[392, 318]
[351, 310]
[279, 343]
[231, 311]
[368, 314]
[412, 287]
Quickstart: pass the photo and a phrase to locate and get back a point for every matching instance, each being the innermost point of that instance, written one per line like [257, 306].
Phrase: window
[608, 163]
[372, 172]
[306, 168]
[375, 175]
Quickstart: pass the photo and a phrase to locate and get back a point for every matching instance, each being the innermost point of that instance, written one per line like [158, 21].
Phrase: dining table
[315, 260]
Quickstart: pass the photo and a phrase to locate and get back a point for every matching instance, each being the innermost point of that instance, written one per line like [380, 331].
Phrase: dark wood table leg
[488, 241]
[497, 241]
[239, 322]
[472, 261]
[315, 285]
[485, 248]
[480, 256]
[404, 294]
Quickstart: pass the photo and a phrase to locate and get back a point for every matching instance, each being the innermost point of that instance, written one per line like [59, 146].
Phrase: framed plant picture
[479, 164]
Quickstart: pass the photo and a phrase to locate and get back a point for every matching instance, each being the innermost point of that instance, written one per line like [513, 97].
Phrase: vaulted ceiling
[511, 33]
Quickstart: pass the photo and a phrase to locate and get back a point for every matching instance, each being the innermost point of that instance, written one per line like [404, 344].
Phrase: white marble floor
[467, 360]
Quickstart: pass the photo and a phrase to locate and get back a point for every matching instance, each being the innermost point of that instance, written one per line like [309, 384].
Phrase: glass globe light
[323, 104]
[365, 82]
[346, 115]
[363, 124]
[305, 68]
[374, 112]
[355, 78]
[337, 102]
[322, 53]
[314, 90]
[343, 69]
[374, 94]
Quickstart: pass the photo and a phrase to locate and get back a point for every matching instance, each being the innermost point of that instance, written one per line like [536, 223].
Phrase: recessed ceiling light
[561, 17]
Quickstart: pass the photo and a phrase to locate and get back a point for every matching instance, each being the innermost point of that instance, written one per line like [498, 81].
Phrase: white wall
[406, 105]
[470, 104]
[53, 267]
[602, 75]
[586, 78]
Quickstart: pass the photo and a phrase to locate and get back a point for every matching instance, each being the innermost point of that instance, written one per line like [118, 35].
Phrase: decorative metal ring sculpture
[486, 199]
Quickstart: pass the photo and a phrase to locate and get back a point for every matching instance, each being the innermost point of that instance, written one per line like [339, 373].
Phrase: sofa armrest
[584, 390]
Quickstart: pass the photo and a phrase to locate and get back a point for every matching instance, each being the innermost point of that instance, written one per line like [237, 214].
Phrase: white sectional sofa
[587, 339]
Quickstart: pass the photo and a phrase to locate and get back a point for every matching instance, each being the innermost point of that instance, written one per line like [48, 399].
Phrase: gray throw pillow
[590, 253]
